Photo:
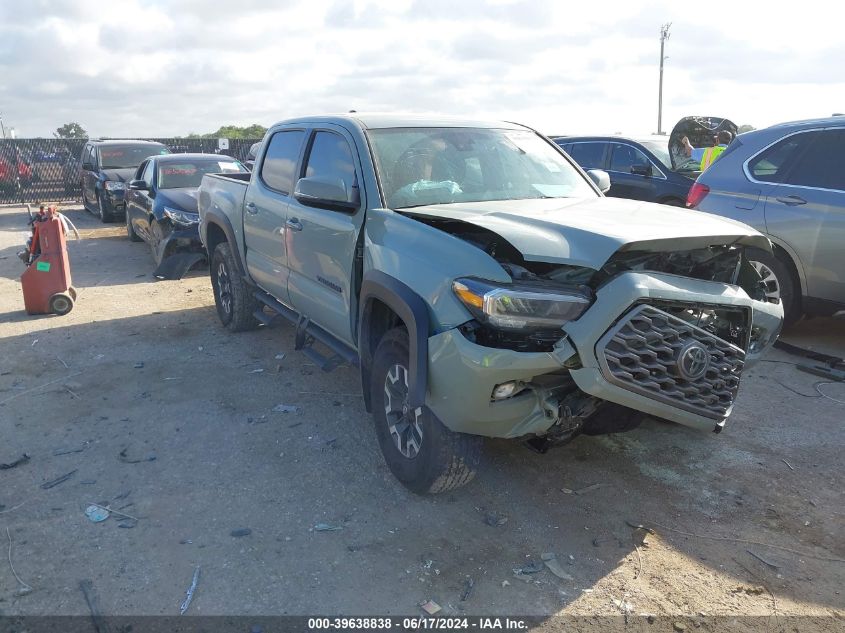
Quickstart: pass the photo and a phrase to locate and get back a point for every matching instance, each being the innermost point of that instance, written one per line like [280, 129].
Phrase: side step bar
[306, 333]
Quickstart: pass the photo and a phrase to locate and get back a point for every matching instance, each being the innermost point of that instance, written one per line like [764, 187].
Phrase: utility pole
[664, 35]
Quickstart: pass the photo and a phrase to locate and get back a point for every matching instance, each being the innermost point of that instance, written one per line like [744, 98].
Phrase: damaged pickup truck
[483, 285]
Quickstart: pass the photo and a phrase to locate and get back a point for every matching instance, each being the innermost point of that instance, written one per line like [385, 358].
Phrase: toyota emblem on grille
[693, 361]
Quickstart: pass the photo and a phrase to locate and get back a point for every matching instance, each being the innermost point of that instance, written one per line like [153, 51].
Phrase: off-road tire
[445, 460]
[130, 230]
[789, 298]
[233, 296]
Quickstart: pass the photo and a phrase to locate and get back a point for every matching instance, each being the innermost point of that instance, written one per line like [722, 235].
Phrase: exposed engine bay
[724, 263]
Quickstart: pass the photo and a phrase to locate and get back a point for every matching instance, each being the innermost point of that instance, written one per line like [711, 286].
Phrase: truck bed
[224, 194]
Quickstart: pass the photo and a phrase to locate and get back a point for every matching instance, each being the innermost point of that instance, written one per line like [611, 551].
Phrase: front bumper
[115, 201]
[462, 375]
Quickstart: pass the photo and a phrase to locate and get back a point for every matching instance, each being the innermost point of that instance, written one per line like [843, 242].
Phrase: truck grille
[661, 356]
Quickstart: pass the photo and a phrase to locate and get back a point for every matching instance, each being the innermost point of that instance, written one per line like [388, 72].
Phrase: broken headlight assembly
[519, 307]
[183, 218]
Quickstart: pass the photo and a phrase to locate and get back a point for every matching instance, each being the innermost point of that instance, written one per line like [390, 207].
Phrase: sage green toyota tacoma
[483, 285]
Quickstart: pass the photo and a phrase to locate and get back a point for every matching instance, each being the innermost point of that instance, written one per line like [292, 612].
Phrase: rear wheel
[778, 281]
[232, 295]
[421, 453]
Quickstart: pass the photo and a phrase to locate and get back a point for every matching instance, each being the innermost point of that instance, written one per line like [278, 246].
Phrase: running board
[306, 334]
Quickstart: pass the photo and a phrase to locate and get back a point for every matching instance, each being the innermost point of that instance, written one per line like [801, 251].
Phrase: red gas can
[46, 282]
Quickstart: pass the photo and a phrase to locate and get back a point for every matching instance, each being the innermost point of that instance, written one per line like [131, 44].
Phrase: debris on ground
[763, 560]
[534, 567]
[126, 460]
[97, 622]
[190, 593]
[23, 459]
[430, 607]
[505, 583]
[257, 371]
[68, 451]
[624, 605]
[24, 588]
[280, 356]
[96, 514]
[286, 408]
[583, 491]
[139, 365]
[469, 583]
[495, 520]
[679, 626]
[325, 527]
[749, 591]
[240, 532]
[550, 560]
[115, 512]
[59, 480]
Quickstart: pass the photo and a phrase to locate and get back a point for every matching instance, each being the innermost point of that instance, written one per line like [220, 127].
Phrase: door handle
[251, 207]
[293, 224]
[791, 201]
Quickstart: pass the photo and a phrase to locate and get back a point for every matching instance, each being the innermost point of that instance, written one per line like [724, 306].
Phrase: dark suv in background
[105, 168]
[638, 169]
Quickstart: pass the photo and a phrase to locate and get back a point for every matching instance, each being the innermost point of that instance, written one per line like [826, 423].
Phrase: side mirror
[600, 177]
[138, 185]
[641, 169]
[327, 194]
[88, 166]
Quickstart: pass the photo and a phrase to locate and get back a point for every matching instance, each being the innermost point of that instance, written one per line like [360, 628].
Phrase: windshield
[421, 166]
[189, 173]
[661, 150]
[126, 156]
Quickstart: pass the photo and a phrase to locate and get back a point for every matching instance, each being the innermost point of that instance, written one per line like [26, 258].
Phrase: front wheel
[778, 282]
[232, 295]
[105, 216]
[421, 453]
[130, 230]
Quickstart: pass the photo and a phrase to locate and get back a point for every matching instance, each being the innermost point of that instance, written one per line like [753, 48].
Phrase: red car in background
[14, 168]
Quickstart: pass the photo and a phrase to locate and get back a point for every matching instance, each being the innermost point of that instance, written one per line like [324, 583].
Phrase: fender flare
[222, 221]
[413, 311]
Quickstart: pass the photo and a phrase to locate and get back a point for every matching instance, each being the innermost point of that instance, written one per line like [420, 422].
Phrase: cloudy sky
[171, 67]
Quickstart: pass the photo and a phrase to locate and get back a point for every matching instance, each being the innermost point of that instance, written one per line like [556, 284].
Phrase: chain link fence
[48, 170]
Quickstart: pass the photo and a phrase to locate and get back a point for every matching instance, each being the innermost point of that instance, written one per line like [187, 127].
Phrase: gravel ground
[158, 412]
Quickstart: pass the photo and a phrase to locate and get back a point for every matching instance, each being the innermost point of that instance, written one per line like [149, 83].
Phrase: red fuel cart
[46, 281]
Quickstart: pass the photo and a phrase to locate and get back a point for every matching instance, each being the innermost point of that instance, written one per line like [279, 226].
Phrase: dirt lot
[140, 371]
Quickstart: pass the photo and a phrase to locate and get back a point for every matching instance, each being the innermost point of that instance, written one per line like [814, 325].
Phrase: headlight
[516, 306]
[181, 217]
[114, 185]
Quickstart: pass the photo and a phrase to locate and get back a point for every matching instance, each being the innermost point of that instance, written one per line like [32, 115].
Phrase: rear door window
[774, 163]
[588, 155]
[823, 164]
[279, 165]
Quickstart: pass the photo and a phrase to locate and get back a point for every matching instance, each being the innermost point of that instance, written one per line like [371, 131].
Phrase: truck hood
[587, 232]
